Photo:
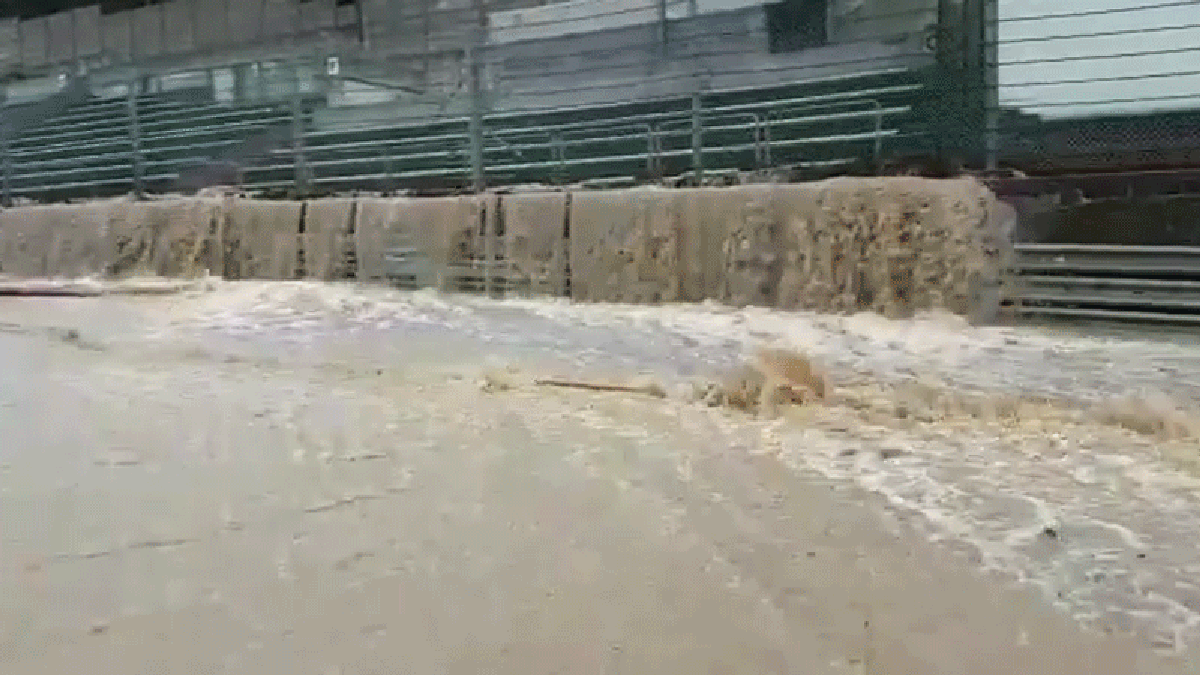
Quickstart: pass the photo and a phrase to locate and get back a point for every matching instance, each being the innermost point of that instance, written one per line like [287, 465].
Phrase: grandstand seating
[830, 123]
[86, 151]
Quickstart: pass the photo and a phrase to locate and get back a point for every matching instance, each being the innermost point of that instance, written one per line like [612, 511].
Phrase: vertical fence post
[973, 82]
[6, 148]
[490, 219]
[769, 160]
[762, 142]
[162, 28]
[559, 152]
[991, 82]
[663, 36]
[651, 152]
[300, 165]
[135, 140]
[133, 41]
[360, 24]
[74, 38]
[697, 137]
[194, 18]
[878, 159]
[475, 131]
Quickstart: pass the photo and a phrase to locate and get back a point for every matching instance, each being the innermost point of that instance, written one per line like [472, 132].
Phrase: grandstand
[88, 149]
[825, 125]
[612, 90]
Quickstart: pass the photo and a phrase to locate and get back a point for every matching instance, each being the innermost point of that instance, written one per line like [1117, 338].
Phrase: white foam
[972, 489]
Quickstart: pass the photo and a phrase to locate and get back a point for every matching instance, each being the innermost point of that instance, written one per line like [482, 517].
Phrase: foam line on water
[1108, 503]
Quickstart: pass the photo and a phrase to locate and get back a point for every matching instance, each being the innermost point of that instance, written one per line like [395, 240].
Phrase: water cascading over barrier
[893, 246]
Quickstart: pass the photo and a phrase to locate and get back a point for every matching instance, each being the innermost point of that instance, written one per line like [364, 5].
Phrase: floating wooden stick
[647, 389]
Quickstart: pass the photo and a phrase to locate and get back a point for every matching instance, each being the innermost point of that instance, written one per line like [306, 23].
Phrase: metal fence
[1156, 284]
[703, 90]
[464, 95]
[1099, 86]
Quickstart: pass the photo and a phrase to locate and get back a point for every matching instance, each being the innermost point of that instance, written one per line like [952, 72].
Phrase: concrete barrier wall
[174, 237]
[35, 41]
[892, 246]
[375, 231]
[535, 244]
[10, 43]
[67, 240]
[87, 30]
[709, 213]
[244, 20]
[278, 18]
[261, 239]
[180, 22]
[147, 30]
[445, 229]
[316, 15]
[60, 38]
[116, 35]
[212, 29]
[328, 238]
[442, 231]
[623, 246]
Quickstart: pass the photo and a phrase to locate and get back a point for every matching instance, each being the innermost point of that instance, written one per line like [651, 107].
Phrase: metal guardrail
[148, 142]
[1147, 284]
[756, 130]
[410, 268]
[163, 160]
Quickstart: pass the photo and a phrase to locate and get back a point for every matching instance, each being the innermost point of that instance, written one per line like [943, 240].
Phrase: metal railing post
[135, 141]
[664, 36]
[558, 151]
[991, 82]
[878, 134]
[299, 162]
[697, 137]
[767, 154]
[476, 130]
[6, 148]
[760, 151]
[490, 218]
[651, 151]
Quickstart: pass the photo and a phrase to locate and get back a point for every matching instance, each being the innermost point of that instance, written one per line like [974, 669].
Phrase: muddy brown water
[297, 478]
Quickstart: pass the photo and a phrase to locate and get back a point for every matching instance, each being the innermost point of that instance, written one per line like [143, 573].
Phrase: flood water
[304, 477]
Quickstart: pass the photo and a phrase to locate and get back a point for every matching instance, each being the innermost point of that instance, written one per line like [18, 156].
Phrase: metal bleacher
[828, 125]
[87, 150]
[825, 124]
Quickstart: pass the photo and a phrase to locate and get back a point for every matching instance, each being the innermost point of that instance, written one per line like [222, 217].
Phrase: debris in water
[648, 389]
[775, 377]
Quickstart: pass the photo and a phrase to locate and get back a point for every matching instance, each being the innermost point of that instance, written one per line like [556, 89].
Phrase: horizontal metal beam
[1111, 315]
[1146, 284]
[1108, 260]
[1114, 299]
[1109, 282]
[1102, 249]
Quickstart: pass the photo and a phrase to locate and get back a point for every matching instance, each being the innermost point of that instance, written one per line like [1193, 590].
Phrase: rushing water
[1105, 530]
[1095, 518]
